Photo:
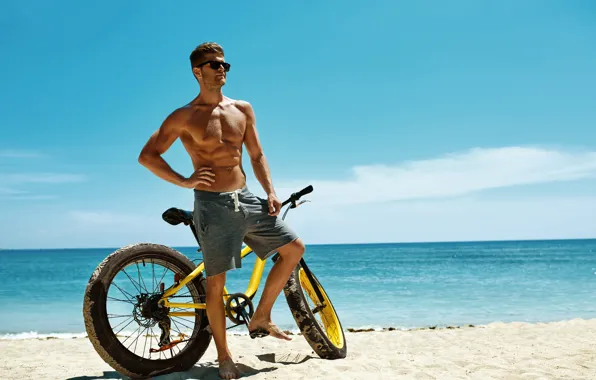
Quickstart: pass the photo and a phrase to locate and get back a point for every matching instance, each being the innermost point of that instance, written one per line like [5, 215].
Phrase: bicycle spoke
[153, 277]
[145, 345]
[159, 282]
[138, 341]
[133, 282]
[151, 341]
[175, 324]
[117, 316]
[124, 292]
[141, 278]
[188, 327]
[179, 332]
[122, 323]
[124, 327]
[130, 336]
[134, 341]
[157, 340]
[116, 299]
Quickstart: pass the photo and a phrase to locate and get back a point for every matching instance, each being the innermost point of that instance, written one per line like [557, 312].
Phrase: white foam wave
[238, 332]
[36, 335]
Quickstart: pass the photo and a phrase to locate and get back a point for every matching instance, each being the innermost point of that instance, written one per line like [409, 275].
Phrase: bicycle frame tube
[253, 285]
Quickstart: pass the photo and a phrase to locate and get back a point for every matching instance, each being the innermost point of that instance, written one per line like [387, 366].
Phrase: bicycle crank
[239, 308]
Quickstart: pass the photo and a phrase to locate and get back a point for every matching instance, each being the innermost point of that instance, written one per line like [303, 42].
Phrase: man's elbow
[257, 158]
[145, 158]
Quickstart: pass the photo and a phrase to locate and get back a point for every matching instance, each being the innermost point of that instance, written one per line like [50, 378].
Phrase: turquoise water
[371, 285]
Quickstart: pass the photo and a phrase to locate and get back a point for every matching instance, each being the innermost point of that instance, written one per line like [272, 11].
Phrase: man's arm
[255, 150]
[257, 157]
[159, 142]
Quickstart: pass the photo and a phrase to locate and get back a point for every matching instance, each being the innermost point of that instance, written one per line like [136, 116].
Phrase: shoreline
[33, 335]
[413, 242]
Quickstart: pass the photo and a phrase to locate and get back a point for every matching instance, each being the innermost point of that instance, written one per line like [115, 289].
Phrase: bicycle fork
[311, 278]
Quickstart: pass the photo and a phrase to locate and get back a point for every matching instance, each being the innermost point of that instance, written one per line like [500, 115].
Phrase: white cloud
[11, 153]
[10, 181]
[452, 175]
[40, 178]
[27, 197]
[9, 191]
[461, 219]
[105, 218]
[11, 184]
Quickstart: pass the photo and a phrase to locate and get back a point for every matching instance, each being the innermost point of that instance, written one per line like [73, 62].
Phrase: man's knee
[299, 246]
[294, 249]
[215, 284]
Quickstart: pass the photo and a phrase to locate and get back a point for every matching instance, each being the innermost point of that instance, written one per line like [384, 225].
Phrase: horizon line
[331, 244]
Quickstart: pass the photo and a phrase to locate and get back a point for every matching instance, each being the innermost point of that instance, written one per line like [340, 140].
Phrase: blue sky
[418, 121]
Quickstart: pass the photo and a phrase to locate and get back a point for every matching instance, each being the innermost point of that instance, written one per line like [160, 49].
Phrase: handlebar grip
[307, 190]
[295, 196]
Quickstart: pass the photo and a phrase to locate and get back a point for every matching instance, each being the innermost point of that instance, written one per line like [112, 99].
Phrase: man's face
[213, 74]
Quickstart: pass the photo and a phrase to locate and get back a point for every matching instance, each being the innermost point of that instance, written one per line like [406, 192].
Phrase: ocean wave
[240, 332]
[36, 335]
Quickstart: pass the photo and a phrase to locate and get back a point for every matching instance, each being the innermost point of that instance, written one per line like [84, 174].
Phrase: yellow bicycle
[123, 333]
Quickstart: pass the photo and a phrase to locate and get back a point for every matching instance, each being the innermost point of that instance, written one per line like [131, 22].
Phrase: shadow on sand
[206, 371]
[285, 359]
[106, 375]
[210, 370]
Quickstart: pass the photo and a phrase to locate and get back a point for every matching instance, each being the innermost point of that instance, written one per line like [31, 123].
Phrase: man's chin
[217, 84]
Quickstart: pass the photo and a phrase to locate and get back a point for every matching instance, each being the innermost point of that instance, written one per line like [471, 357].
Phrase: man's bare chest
[227, 125]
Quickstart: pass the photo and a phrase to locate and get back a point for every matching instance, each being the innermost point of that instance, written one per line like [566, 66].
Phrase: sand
[557, 350]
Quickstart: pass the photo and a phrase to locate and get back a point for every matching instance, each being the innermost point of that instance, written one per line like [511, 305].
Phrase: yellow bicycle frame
[253, 285]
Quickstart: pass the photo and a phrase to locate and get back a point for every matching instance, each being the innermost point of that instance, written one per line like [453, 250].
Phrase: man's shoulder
[244, 106]
[179, 116]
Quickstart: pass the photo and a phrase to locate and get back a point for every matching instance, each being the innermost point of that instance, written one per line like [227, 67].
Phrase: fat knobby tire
[306, 321]
[98, 327]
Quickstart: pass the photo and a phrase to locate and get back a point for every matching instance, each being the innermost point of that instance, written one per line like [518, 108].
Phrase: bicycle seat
[176, 216]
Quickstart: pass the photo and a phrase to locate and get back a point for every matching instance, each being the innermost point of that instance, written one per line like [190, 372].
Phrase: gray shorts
[224, 220]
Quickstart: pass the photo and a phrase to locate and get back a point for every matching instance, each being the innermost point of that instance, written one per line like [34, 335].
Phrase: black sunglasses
[215, 65]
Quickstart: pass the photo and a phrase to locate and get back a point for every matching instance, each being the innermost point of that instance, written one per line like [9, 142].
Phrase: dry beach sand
[558, 350]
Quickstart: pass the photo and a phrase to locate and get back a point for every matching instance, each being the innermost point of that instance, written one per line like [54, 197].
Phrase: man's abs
[225, 161]
[225, 179]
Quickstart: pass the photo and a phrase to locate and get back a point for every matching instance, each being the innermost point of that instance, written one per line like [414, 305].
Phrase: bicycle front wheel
[318, 322]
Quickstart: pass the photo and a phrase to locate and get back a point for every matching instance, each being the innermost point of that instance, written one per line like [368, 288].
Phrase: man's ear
[197, 72]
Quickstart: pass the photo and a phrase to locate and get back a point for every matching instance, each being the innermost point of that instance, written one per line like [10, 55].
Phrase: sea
[401, 285]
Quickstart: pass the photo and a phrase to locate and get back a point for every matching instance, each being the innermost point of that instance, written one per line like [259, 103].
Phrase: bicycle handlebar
[297, 195]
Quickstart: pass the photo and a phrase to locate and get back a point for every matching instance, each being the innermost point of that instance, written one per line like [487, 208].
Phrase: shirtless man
[212, 129]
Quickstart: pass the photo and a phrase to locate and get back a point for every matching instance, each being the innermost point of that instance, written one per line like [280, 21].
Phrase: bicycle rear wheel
[319, 323]
[129, 278]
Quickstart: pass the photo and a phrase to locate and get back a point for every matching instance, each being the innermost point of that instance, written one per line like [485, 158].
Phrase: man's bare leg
[217, 321]
[289, 256]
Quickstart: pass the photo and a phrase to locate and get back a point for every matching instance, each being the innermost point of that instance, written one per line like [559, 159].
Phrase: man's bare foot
[228, 369]
[259, 329]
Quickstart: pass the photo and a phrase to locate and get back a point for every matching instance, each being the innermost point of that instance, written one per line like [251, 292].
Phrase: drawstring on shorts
[234, 196]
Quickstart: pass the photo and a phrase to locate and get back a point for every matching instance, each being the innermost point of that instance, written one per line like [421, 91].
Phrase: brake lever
[301, 202]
